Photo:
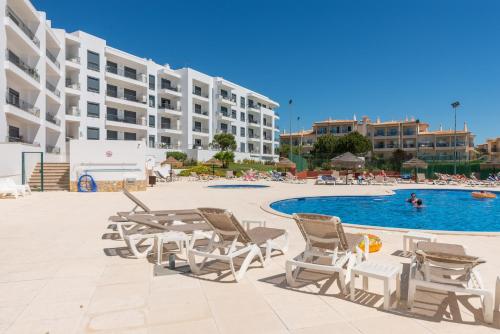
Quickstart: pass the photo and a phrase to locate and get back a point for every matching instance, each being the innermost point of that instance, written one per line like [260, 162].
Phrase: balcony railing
[253, 136]
[200, 130]
[53, 89]
[254, 106]
[20, 139]
[170, 127]
[170, 87]
[426, 145]
[442, 145]
[14, 100]
[169, 107]
[120, 95]
[200, 94]
[125, 119]
[379, 134]
[408, 145]
[409, 133]
[227, 98]
[72, 59]
[17, 20]
[52, 119]
[72, 84]
[200, 147]
[52, 149]
[392, 133]
[167, 146]
[121, 72]
[52, 58]
[201, 112]
[73, 111]
[392, 146]
[253, 121]
[14, 59]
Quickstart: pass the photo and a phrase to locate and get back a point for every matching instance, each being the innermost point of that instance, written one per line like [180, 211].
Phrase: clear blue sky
[387, 58]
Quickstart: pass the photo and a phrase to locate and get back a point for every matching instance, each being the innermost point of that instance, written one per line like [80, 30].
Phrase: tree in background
[329, 146]
[284, 150]
[398, 157]
[181, 156]
[355, 143]
[226, 144]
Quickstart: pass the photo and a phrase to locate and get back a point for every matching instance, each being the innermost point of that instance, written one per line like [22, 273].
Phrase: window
[152, 120]
[165, 83]
[129, 136]
[130, 72]
[92, 109]
[197, 108]
[151, 141]
[165, 141]
[151, 82]
[13, 98]
[151, 101]
[223, 92]
[165, 123]
[112, 90]
[233, 97]
[233, 114]
[112, 67]
[197, 90]
[93, 61]
[223, 127]
[197, 126]
[242, 116]
[223, 110]
[14, 134]
[242, 103]
[112, 114]
[111, 135]
[242, 132]
[242, 147]
[129, 94]
[129, 117]
[197, 143]
[233, 130]
[93, 133]
[93, 84]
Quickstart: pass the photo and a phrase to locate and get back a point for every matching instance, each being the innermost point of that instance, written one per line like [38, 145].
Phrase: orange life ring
[374, 241]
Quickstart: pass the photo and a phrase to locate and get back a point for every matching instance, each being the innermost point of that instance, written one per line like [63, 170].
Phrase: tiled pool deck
[62, 272]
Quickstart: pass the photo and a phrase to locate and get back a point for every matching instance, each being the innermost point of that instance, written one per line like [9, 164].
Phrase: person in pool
[413, 198]
[418, 204]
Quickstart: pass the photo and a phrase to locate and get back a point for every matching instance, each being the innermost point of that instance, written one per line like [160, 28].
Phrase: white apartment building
[61, 86]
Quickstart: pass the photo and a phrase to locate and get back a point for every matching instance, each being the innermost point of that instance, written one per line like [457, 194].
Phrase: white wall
[108, 160]
[11, 161]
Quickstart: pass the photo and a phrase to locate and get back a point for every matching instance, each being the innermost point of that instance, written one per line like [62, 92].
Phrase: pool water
[449, 210]
[237, 186]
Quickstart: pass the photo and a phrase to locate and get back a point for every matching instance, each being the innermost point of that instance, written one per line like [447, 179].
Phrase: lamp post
[455, 105]
[290, 109]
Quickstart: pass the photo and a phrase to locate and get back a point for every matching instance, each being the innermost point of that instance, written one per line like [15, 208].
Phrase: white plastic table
[182, 240]
[411, 238]
[382, 271]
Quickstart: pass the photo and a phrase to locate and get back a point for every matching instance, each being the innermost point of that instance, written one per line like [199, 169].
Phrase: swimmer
[413, 198]
[418, 204]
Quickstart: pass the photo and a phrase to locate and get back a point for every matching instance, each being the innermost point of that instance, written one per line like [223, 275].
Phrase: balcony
[392, 146]
[171, 88]
[409, 132]
[201, 113]
[24, 28]
[426, 145]
[127, 97]
[226, 99]
[20, 139]
[125, 119]
[14, 59]
[200, 94]
[254, 106]
[52, 89]
[253, 122]
[392, 133]
[409, 145]
[52, 119]
[141, 77]
[73, 111]
[167, 126]
[52, 58]
[15, 101]
[379, 134]
[200, 130]
[438, 144]
[169, 107]
[200, 147]
[253, 136]
[52, 149]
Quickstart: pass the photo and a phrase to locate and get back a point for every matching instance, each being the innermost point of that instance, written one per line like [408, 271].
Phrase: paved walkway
[62, 272]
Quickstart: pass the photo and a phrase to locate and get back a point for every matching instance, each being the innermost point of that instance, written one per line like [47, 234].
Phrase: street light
[455, 105]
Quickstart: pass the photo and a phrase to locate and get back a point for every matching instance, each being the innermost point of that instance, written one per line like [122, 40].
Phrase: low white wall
[11, 160]
[204, 155]
[108, 160]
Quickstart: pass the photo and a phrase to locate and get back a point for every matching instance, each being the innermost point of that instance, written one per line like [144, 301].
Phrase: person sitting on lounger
[413, 198]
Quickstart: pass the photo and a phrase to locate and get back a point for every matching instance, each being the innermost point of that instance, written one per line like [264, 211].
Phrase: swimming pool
[448, 210]
[237, 186]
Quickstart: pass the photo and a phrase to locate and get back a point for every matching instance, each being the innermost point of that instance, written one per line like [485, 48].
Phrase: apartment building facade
[412, 136]
[492, 148]
[62, 86]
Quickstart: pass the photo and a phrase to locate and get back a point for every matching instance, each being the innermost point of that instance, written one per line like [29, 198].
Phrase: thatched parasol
[348, 160]
[173, 162]
[415, 163]
[285, 163]
[213, 162]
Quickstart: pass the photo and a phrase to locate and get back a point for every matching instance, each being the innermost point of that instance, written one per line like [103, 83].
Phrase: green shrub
[196, 169]
[181, 156]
